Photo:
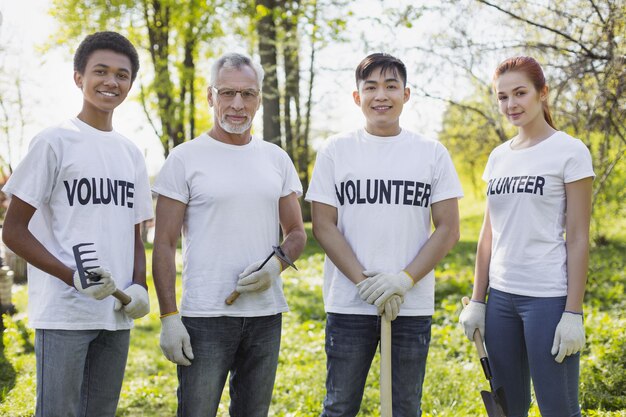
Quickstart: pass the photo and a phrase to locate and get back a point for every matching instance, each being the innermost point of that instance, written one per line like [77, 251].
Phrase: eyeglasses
[247, 94]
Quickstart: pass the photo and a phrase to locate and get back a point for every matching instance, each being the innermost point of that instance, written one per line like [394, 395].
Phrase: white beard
[235, 129]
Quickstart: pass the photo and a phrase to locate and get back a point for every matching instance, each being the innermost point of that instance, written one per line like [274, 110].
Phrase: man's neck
[102, 122]
[383, 131]
[237, 139]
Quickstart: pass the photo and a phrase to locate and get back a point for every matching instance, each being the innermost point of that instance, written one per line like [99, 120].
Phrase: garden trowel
[495, 402]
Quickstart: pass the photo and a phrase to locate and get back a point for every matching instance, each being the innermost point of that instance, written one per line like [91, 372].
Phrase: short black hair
[105, 40]
[383, 61]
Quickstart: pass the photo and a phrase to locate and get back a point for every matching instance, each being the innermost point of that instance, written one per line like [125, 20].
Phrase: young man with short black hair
[82, 182]
[373, 193]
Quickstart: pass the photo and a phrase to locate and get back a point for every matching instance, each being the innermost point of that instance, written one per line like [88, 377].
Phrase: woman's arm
[483, 258]
[578, 195]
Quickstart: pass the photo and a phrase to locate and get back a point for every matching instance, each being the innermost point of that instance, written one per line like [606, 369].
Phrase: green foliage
[603, 366]
[607, 277]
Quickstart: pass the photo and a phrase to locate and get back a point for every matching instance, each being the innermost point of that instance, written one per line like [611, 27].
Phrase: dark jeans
[351, 343]
[247, 347]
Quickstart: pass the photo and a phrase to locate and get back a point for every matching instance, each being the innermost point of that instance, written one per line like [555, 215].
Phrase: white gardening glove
[139, 304]
[569, 336]
[100, 289]
[473, 317]
[175, 341]
[391, 308]
[261, 280]
[379, 287]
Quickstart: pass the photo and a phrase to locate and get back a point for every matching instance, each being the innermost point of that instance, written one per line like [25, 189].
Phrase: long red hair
[532, 69]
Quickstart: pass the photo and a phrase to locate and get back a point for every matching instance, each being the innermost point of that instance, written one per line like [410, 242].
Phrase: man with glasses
[228, 191]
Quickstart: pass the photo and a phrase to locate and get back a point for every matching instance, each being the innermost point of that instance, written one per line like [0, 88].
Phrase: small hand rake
[89, 278]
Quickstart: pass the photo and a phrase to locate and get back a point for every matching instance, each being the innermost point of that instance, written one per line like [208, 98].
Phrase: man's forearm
[139, 265]
[31, 250]
[434, 250]
[339, 251]
[293, 244]
[164, 273]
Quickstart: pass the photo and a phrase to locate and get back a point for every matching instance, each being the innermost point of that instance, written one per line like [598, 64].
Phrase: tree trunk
[266, 30]
[157, 17]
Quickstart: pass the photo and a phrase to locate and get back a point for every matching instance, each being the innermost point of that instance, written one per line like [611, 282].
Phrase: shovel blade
[492, 404]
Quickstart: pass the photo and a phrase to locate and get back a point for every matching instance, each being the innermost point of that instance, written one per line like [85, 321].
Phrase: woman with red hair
[538, 191]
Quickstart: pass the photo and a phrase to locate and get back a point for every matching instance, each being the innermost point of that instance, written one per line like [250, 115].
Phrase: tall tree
[267, 11]
[580, 45]
[285, 31]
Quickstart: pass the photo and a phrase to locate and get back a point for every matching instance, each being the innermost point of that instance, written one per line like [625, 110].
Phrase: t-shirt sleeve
[34, 178]
[446, 182]
[143, 196]
[171, 181]
[322, 185]
[578, 164]
[291, 180]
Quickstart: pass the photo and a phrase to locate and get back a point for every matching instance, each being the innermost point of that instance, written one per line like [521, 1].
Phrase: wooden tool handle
[385, 367]
[232, 297]
[122, 296]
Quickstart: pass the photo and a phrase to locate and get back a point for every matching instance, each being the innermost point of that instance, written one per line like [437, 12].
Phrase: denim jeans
[79, 372]
[351, 343]
[247, 347]
[519, 332]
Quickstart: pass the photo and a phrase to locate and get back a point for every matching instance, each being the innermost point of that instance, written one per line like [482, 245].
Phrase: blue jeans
[247, 347]
[351, 342]
[79, 372]
[519, 332]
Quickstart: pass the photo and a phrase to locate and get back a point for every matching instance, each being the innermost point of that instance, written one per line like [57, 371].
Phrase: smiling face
[234, 114]
[381, 97]
[518, 99]
[105, 83]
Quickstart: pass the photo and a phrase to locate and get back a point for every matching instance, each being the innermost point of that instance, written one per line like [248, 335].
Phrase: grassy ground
[453, 379]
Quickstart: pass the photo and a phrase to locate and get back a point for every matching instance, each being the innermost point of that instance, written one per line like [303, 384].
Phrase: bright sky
[50, 95]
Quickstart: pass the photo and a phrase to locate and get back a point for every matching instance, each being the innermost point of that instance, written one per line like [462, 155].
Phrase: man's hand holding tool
[97, 283]
[259, 275]
[93, 280]
[139, 304]
[379, 287]
[256, 278]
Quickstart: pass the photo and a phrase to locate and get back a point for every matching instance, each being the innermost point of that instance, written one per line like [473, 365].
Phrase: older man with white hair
[228, 191]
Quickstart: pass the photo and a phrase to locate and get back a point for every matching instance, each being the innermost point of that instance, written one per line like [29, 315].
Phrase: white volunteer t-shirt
[87, 186]
[383, 189]
[231, 220]
[526, 200]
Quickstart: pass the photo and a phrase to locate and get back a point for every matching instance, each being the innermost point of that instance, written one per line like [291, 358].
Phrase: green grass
[453, 378]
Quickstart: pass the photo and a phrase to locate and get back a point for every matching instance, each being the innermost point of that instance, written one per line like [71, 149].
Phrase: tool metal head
[494, 403]
[278, 251]
[81, 256]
